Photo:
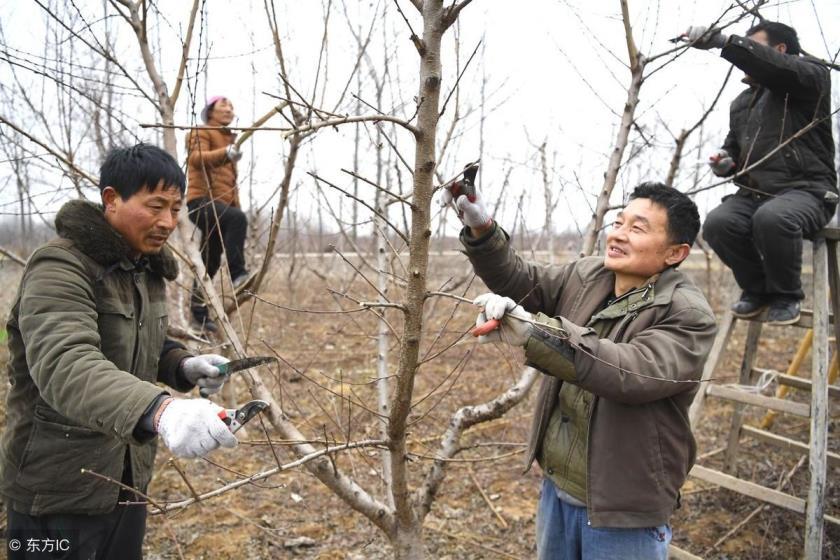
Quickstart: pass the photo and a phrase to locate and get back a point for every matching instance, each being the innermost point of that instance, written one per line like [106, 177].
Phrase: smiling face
[639, 245]
[221, 114]
[146, 219]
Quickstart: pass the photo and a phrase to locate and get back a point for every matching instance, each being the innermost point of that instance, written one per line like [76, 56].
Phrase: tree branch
[632, 50]
[185, 51]
[453, 11]
[345, 120]
[13, 257]
[59, 156]
[267, 473]
[466, 417]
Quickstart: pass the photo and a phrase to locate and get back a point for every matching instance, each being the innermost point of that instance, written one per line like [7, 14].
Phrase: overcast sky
[553, 71]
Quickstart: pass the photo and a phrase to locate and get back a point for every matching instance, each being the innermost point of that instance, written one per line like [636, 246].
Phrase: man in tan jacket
[213, 201]
[622, 340]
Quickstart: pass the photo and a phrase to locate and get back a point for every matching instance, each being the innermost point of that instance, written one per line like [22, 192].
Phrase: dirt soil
[332, 358]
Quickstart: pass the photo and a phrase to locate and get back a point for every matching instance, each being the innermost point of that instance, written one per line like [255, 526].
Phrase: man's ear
[781, 47]
[677, 254]
[109, 199]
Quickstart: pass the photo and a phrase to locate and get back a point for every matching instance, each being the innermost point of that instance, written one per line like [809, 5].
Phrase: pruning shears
[233, 366]
[235, 418]
[465, 186]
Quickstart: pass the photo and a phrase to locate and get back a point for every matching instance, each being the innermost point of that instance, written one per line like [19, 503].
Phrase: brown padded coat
[210, 174]
[640, 443]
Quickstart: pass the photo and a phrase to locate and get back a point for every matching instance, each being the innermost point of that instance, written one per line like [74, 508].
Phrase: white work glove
[472, 214]
[721, 163]
[202, 371]
[192, 428]
[516, 325]
[233, 153]
[701, 37]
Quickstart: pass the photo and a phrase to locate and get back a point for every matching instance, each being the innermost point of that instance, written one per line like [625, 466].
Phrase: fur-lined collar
[84, 224]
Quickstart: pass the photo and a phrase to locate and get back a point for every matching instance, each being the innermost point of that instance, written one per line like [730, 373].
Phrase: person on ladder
[213, 202]
[784, 170]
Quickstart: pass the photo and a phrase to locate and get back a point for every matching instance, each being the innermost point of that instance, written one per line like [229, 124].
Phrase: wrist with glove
[202, 370]
[705, 38]
[721, 163]
[191, 427]
[233, 153]
[515, 324]
[468, 202]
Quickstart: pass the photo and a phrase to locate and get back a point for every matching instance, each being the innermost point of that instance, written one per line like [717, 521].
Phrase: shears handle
[486, 328]
[228, 416]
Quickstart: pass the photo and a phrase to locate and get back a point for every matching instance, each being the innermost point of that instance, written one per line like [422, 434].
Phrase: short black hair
[778, 33]
[683, 217]
[127, 170]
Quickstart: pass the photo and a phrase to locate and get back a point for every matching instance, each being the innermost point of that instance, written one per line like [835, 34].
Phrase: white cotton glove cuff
[473, 214]
[192, 428]
[233, 153]
[516, 323]
[202, 371]
[701, 37]
[721, 163]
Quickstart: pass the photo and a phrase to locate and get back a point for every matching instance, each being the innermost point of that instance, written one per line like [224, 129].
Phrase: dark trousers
[760, 239]
[118, 535]
[223, 229]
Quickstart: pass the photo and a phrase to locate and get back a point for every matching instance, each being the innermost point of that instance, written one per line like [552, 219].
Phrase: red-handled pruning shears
[465, 186]
[486, 328]
[235, 418]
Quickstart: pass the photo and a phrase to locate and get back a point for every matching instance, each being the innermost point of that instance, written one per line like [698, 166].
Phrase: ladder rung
[750, 489]
[675, 553]
[786, 443]
[830, 233]
[754, 490]
[772, 403]
[797, 382]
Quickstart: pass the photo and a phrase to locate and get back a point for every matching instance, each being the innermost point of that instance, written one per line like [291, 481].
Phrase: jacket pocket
[56, 453]
[155, 327]
[793, 159]
[117, 331]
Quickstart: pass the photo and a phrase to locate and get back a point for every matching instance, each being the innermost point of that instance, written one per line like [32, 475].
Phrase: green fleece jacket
[87, 344]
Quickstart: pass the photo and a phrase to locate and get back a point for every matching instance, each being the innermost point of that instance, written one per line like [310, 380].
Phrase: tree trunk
[593, 230]
[407, 538]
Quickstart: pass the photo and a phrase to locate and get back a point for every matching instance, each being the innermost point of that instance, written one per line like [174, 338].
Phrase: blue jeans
[563, 533]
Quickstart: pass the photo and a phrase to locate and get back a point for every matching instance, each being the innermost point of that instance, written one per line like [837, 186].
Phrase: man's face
[222, 113]
[146, 219]
[638, 245]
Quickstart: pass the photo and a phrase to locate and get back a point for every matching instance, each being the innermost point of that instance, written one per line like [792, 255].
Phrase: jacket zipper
[623, 327]
[592, 405]
[136, 278]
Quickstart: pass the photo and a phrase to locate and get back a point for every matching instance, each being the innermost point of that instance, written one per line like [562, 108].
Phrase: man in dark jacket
[781, 151]
[622, 340]
[87, 344]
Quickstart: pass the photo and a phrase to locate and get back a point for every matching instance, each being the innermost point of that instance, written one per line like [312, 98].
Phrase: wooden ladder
[825, 283]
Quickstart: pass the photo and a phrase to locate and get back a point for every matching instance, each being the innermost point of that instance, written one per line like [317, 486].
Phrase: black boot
[243, 281]
[201, 321]
[783, 311]
[749, 305]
